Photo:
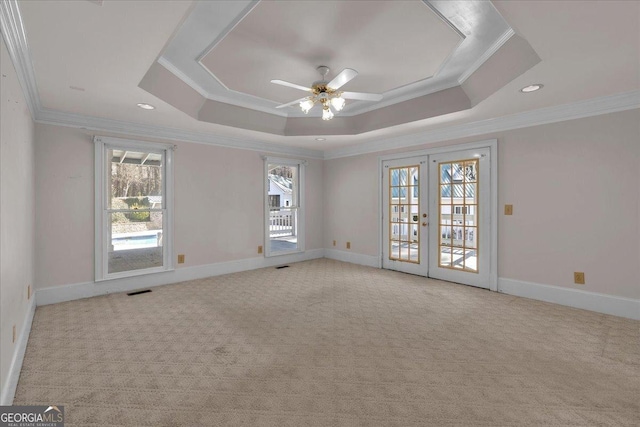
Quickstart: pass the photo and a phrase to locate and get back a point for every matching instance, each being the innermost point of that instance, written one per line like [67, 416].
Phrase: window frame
[101, 146]
[300, 164]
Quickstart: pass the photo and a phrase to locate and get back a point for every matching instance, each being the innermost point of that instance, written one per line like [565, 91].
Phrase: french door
[436, 218]
[405, 216]
[460, 208]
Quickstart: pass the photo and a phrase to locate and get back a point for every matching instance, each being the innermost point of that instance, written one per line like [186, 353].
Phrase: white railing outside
[282, 223]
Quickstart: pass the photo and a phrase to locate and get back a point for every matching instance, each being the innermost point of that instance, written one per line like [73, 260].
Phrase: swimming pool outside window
[133, 208]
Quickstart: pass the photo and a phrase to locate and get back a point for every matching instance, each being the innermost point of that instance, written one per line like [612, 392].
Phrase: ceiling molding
[490, 32]
[203, 92]
[16, 40]
[487, 54]
[560, 113]
[59, 118]
[182, 76]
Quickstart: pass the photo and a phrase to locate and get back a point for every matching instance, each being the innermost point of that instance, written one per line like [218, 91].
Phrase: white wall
[219, 204]
[574, 188]
[16, 216]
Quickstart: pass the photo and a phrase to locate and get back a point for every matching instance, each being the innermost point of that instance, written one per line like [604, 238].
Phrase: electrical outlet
[28, 292]
[578, 278]
[14, 334]
[181, 259]
[259, 249]
[348, 245]
[334, 243]
[508, 209]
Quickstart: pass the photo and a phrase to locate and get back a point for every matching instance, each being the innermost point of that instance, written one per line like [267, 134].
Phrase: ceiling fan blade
[297, 101]
[293, 85]
[362, 96]
[343, 78]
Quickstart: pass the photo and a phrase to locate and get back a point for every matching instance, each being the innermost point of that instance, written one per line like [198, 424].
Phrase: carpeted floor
[326, 343]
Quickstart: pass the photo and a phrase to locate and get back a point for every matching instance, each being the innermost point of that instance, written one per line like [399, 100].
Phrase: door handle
[424, 224]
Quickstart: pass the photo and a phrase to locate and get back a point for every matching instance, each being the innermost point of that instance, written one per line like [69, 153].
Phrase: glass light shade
[338, 103]
[327, 114]
[306, 105]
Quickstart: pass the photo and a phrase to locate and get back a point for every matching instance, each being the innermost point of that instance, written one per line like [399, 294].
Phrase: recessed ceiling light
[321, 139]
[531, 88]
[146, 106]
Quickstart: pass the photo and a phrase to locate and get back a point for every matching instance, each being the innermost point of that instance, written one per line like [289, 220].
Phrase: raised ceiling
[87, 64]
[362, 35]
[425, 57]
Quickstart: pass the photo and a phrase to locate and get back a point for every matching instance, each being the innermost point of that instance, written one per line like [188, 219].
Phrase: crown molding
[48, 116]
[560, 113]
[207, 95]
[16, 41]
[487, 54]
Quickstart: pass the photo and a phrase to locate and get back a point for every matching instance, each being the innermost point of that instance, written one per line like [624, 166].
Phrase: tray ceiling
[88, 64]
[418, 54]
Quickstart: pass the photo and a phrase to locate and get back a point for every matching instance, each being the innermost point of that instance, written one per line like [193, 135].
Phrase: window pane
[445, 256]
[283, 208]
[458, 220]
[135, 181]
[136, 240]
[471, 171]
[414, 253]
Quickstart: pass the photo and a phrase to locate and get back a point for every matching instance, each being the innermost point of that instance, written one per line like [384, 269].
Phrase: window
[284, 229]
[274, 200]
[462, 210]
[134, 206]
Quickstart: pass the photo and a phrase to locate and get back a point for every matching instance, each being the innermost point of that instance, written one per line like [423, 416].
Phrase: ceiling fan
[327, 93]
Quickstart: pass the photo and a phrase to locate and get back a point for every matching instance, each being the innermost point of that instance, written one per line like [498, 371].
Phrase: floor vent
[282, 266]
[139, 292]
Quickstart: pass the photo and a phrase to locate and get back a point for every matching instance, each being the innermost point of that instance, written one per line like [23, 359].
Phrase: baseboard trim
[11, 383]
[601, 303]
[354, 258]
[57, 294]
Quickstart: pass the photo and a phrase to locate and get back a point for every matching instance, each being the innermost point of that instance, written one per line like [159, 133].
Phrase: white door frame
[492, 145]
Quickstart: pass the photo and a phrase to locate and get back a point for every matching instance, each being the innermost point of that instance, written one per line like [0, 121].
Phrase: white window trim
[101, 145]
[301, 203]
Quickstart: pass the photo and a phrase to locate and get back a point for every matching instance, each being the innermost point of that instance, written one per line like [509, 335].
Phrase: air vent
[138, 292]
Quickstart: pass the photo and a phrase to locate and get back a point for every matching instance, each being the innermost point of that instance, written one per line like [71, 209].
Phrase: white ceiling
[588, 49]
[362, 35]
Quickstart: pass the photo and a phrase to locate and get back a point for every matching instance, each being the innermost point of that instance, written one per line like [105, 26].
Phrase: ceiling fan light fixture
[327, 114]
[306, 105]
[338, 103]
[327, 94]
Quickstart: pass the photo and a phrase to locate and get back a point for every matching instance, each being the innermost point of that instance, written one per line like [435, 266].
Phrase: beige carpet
[325, 343]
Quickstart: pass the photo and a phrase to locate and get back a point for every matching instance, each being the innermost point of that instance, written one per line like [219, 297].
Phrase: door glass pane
[458, 207]
[445, 256]
[404, 215]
